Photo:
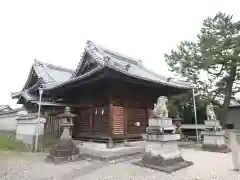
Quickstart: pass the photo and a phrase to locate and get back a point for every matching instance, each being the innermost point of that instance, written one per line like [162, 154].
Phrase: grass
[9, 142]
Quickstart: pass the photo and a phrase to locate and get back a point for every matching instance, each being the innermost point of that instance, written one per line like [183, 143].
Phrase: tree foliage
[212, 62]
[182, 105]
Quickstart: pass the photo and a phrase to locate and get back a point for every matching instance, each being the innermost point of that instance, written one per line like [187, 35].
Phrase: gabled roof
[50, 76]
[4, 108]
[48, 73]
[123, 64]
[11, 111]
[42, 73]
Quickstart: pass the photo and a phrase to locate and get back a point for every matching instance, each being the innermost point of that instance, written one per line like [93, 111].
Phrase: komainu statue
[160, 109]
[210, 112]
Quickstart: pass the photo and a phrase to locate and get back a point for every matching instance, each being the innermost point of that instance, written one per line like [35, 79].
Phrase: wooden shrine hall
[111, 94]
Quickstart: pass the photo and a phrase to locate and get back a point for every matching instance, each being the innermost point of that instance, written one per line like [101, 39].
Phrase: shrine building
[111, 94]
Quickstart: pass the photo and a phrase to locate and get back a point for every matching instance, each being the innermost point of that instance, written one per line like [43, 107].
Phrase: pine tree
[214, 54]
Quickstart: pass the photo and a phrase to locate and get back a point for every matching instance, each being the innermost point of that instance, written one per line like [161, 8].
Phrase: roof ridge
[48, 73]
[124, 58]
[118, 55]
[140, 65]
[52, 66]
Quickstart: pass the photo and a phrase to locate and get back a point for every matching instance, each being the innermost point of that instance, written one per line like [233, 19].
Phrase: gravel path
[207, 166]
[28, 166]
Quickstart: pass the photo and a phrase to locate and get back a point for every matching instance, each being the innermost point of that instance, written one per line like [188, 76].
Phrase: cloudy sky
[55, 31]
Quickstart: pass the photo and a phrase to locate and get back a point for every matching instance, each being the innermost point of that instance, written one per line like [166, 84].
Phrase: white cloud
[54, 31]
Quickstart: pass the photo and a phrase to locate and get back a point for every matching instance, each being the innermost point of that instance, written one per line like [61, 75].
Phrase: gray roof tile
[123, 64]
[4, 107]
[51, 76]
[51, 73]
[136, 68]
[48, 75]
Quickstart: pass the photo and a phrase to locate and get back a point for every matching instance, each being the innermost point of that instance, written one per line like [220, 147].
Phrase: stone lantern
[177, 121]
[65, 150]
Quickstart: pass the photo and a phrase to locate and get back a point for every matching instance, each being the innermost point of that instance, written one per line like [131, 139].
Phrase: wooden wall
[118, 122]
[91, 120]
[100, 120]
[131, 105]
[125, 120]
[112, 108]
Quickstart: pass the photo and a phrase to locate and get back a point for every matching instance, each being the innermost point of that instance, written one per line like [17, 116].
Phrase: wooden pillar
[110, 123]
[91, 120]
[125, 118]
[147, 116]
[110, 119]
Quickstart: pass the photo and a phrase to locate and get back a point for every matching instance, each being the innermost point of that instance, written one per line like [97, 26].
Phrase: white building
[8, 120]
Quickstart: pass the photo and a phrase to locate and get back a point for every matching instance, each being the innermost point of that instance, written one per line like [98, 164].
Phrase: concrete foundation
[214, 142]
[162, 153]
[100, 151]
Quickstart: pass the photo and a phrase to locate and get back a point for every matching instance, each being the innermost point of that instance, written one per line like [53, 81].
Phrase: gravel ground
[207, 166]
[28, 166]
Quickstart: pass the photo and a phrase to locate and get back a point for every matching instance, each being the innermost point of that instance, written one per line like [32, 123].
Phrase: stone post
[161, 151]
[232, 140]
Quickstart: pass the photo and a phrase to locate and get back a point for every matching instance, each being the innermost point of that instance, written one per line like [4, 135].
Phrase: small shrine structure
[111, 94]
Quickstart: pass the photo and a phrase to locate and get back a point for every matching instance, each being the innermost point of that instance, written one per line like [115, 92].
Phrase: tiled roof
[52, 76]
[11, 111]
[123, 64]
[4, 107]
[51, 73]
[47, 74]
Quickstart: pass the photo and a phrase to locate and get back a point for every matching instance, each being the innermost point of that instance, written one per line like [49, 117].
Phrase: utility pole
[38, 120]
[195, 113]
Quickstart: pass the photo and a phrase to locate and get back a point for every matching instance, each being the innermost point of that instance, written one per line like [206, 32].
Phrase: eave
[55, 104]
[159, 82]
[77, 79]
[122, 64]
[104, 71]
[25, 92]
[16, 95]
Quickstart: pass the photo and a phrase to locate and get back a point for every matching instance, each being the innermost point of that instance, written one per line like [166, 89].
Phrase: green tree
[182, 105]
[215, 55]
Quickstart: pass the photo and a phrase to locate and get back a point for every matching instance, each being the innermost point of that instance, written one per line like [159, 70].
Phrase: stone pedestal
[161, 151]
[214, 137]
[65, 150]
[213, 124]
